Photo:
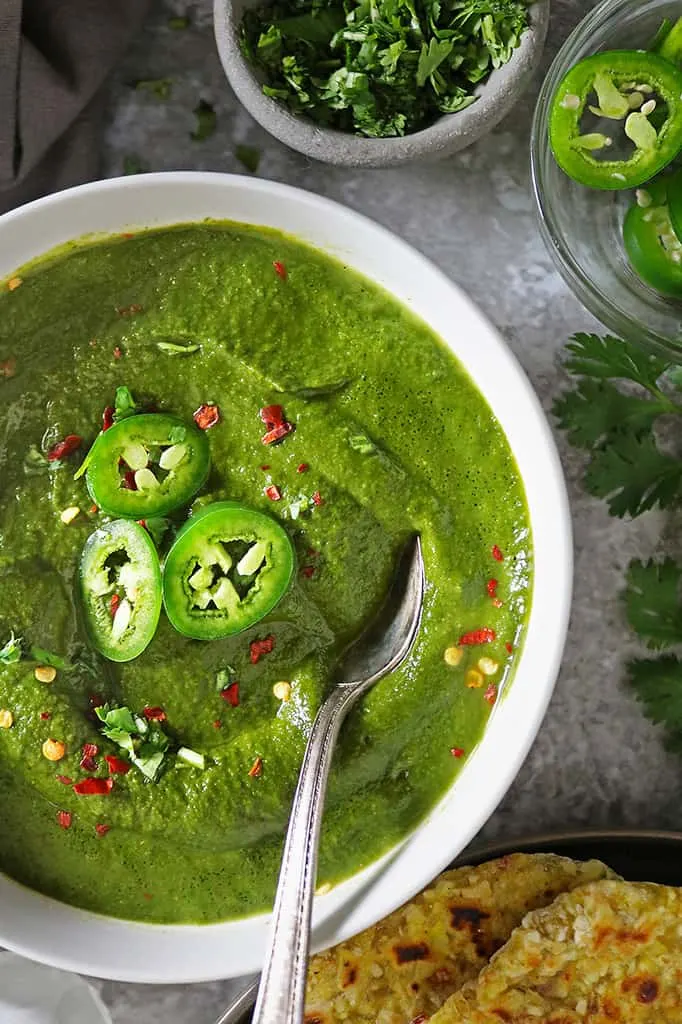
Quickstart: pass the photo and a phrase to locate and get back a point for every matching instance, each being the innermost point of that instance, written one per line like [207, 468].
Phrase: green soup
[390, 436]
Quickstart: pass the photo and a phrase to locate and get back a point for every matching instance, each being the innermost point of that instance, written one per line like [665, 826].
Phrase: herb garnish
[614, 412]
[159, 87]
[380, 69]
[132, 164]
[11, 652]
[206, 121]
[145, 742]
[44, 657]
[179, 22]
[173, 349]
[124, 404]
[248, 156]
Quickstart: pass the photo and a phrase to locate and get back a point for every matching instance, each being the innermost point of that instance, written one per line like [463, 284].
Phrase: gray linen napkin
[54, 58]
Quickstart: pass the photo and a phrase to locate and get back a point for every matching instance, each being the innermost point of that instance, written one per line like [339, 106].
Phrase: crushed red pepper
[63, 449]
[260, 647]
[280, 269]
[273, 493]
[8, 368]
[476, 637]
[317, 498]
[491, 587]
[93, 510]
[108, 417]
[303, 467]
[64, 819]
[118, 352]
[65, 780]
[231, 694]
[497, 554]
[154, 714]
[88, 763]
[129, 310]
[102, 830]
[94, 787]
[308, 571]
[117, 766]
[264, 468]
[277, 425]
[207, 416]
[457, 751]
[277, 433]
[509, 647]
[217, 724]
[45, 715]
[490, 694]
[256, 768]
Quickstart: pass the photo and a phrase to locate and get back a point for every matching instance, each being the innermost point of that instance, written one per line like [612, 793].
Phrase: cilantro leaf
[35, 462]
[595, 409]
[614, 359]
[224, 677]
[157, 528]
[10, 654]
[132, 164]
[177, 434]
[124, 404]
[159, 87]
[44, 657]
[179, 22]
[657, 683]
[248, 156]
[634, 476]
[173, 349]
[361, 443]
[431, 57]
[653, 604]
[206, 121]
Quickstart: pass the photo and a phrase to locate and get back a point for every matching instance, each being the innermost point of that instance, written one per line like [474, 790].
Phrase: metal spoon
[381, 649]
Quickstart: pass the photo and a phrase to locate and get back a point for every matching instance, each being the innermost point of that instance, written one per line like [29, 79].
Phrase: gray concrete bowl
[449, 134]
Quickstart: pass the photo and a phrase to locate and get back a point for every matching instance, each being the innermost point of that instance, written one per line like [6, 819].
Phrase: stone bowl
[451, 133]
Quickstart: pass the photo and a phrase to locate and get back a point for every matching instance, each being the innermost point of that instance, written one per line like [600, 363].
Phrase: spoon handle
[281, 995]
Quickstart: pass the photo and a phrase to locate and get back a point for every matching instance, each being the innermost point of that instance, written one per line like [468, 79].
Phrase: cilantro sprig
[380, 68]
[145, 743]
[615, 412]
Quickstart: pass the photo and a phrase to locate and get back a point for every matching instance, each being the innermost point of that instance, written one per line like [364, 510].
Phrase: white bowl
[63, 936]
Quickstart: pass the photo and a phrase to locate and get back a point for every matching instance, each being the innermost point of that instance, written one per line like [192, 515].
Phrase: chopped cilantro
[177, 434]
[224, 677]
[159, 87]
[145, 742]
[35, 462]
[206, 121]
[190, 757]
[300, 504]
[133, 165]
[249, 157]
[361, 443]
[179, 22]
[124, 404]
[381, 69]
[158, 527]
[11, 652]
[173, 349]
[44, 657]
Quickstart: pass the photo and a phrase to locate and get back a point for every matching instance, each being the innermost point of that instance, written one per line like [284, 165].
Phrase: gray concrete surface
[596, 760]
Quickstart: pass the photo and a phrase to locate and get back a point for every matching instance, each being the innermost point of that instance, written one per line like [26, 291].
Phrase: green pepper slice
[147, 465]
[644, 91]
[120, 587]
[653, 248]
[229, 567]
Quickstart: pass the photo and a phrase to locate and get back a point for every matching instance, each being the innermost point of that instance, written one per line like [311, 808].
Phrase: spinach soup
[214, 442]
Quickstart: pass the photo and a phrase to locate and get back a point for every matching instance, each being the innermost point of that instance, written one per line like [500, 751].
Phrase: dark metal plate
[637, 856]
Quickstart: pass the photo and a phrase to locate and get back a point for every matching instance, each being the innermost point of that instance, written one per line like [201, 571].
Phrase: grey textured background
[596, 760]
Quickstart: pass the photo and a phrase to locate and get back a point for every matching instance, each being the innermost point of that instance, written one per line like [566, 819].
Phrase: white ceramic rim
[63, 936]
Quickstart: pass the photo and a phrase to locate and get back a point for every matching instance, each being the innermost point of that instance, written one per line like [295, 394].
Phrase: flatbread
[409, 963]
[608, 953]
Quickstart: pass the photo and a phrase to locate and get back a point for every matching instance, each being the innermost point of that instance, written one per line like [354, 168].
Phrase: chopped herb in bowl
[380, 69]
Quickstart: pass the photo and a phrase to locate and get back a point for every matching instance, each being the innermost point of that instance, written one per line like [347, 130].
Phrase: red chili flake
[65, 780]
[108, 417]
[8, 368]
[260, 647]
[217, 724]
[273, 493]
[154, 714]
[308, 571]
[129, 310]
[457, 751]
[497, 554]
[272, 415]
[509, 647]
[117, 766]
[93, 343]
[265, 468]
[64, 819]
[497, 603]
[129, 481]
[277, 433]
[256, 768]
[207, 416]
[231, 694]
[90, 749]
[317, 498]
[491, 587]
[477, 636]
[88, 764]
[113, 604]
[312, 553]
[62, 449]
[102, 830]
[147, 896]
[303, 467]
[421, 1019]
[45, 715]
[142, 523]
[127, 234]
[490, 694]
[94, 787]
[118, 352]
[280, 269]
[93, 510]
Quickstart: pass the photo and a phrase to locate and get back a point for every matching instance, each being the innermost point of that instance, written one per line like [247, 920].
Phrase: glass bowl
[582, 227]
